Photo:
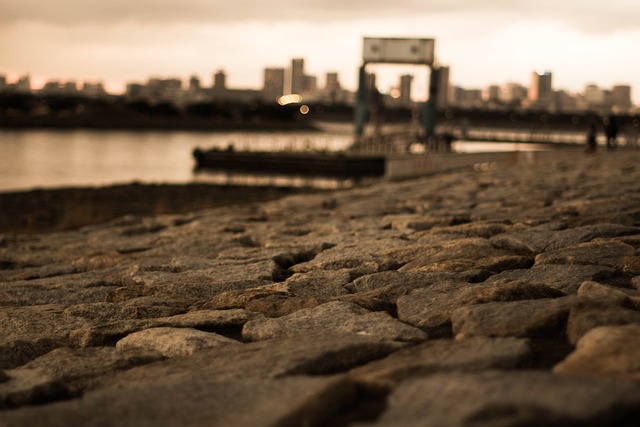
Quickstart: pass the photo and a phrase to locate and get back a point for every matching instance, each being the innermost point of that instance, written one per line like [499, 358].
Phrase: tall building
[332, 82]
[219, 81]
[296, 76]
[540, 91]
[273, 84]
[194, 84]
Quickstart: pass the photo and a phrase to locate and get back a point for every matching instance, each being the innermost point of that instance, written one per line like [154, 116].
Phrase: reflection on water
[46, 158]
[43, 158]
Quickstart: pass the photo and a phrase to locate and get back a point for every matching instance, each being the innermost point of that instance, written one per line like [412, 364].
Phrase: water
[49, 159]
[45, 158]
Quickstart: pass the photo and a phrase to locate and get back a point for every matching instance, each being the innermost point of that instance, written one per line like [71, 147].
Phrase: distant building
[568, 102]
[3, 82]
[621, 97]
[492, 94]
[136, 92]
[541, 91]
[219, 81]
[165, 91]
[297, 81]
[194, 84]
[273, 87]
[93, 90]
[23, 85]
[310, 84]
[467, 98]
[595, 96]
[513, 94]
[333, 92]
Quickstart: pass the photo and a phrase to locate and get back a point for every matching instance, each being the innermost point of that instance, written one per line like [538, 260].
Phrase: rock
[437, 356]
[29, 332]
[285, 401]
[66, 372]
[431, 308]
[317, 354]
[408, 279]
[606, 352]
[171, 342]
[269, 300]
[136, 308]
[319, 285]
[333, 318]
[577, 235]
[524, 319]
[510, 399]
[467, 254]
[603, 253]
[565, 278]
[346, 293]
[588, 314]
[207, 320]
[610, 294]
[530, 241]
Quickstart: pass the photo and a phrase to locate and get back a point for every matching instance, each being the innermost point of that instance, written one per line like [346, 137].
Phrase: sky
[483, 42]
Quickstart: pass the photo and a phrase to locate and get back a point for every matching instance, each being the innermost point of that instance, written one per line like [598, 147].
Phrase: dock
[298, 163]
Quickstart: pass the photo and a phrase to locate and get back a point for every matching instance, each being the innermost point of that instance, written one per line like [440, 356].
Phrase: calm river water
[57, 158]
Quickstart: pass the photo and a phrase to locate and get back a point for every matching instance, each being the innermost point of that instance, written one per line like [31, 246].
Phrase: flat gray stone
[135, 308]
[545, 317]
[207, 320]
[408, 279]
[531, 241]
[574, 236]
[612, 294]
[606, 352]
[320, 285]
[66, 372]
[321, 354]
[565, 278]
[603, 253]
[467, 254]
[171, 342]
[588, 314]
[437, 356]
[431, 308]
[247, 402]
[510, 399]
[31, 331]
[333, 318]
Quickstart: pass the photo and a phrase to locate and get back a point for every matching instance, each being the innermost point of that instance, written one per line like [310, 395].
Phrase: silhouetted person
[611, 131]
[592, 134]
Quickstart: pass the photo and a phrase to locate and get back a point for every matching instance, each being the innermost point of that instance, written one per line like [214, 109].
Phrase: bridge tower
[416, 51]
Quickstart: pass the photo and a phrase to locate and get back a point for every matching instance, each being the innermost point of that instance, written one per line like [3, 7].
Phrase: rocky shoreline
[45, 210]
[506, 295]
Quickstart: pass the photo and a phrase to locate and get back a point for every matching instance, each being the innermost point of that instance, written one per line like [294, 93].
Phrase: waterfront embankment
[505, 294]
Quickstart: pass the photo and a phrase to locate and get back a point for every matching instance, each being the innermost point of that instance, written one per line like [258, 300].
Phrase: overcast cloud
[588, 15]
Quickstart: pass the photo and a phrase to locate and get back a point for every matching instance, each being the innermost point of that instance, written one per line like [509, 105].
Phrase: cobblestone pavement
[501, 295]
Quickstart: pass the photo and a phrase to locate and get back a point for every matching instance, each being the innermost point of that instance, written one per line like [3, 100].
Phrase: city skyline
[582, 43]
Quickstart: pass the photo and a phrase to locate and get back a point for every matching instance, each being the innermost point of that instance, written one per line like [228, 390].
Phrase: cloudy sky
[483, 41]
